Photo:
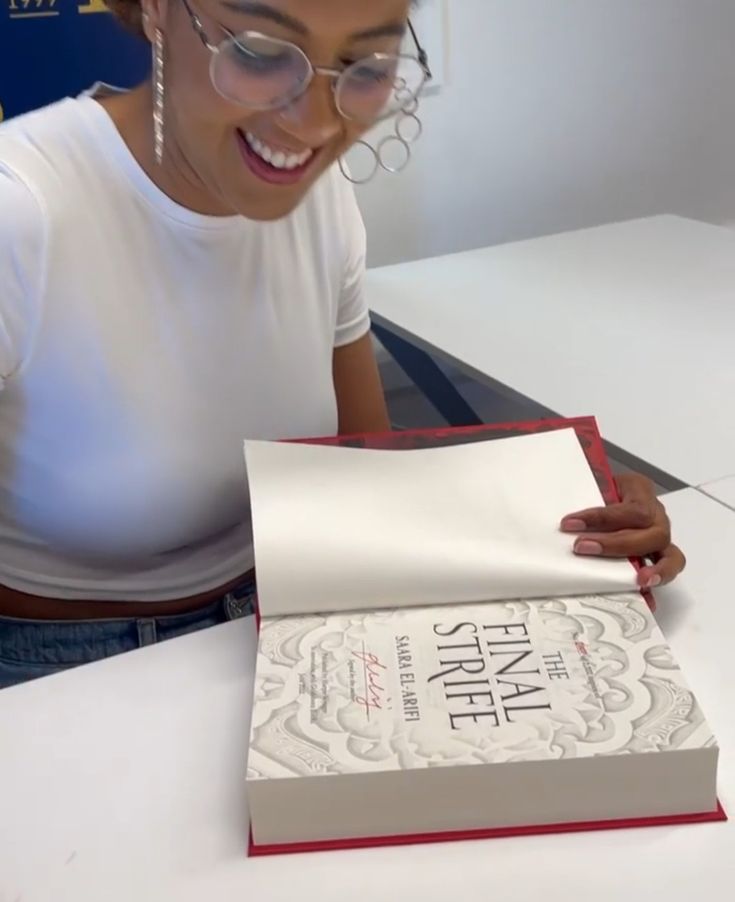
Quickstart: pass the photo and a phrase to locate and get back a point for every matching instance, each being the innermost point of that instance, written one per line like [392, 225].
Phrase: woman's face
[217, 147]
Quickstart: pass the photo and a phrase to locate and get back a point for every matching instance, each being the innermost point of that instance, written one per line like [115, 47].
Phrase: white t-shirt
[140, 344]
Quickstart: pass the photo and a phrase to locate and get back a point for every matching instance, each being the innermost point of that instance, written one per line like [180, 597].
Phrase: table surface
[723, 490]
[125, 780]
[634, 322]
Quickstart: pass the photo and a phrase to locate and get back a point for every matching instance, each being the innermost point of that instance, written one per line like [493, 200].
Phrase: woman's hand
[636, 527]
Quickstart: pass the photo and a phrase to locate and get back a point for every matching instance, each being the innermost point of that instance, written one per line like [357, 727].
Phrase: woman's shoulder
[22, 220]
[332, 211]
[334, 191]
[22, 266]
[42, 147]
[39, 181]
[38, 127]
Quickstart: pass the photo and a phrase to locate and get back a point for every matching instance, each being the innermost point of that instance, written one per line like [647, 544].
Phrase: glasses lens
[259, 72]
[379, 86]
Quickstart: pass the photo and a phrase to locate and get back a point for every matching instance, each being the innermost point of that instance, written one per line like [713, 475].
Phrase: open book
[434, 661]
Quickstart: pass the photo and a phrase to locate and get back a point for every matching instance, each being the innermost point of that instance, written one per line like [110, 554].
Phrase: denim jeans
[36, 648]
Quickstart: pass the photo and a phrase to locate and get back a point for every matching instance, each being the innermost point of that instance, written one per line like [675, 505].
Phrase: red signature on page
[374, 697]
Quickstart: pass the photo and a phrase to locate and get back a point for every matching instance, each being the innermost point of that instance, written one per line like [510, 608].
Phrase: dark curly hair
[129, 13]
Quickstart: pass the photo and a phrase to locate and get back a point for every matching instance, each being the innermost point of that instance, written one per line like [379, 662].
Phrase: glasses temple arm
[197, 26]
[423, 55]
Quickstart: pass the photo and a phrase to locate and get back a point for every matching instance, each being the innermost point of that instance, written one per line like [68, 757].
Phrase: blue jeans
[36, 648]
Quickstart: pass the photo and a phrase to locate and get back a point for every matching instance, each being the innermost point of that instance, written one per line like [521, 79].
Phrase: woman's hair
[129, 13]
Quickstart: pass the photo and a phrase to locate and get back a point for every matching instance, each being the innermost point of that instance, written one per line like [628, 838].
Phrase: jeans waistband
[68, 642]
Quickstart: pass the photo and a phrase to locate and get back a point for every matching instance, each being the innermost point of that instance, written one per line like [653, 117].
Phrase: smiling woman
[182, 268]
[302, 81]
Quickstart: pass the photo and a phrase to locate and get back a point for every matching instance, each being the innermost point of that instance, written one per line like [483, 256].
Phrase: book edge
[718, 815]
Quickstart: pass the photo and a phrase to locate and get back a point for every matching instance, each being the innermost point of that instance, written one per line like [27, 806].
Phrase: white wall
[561, 114]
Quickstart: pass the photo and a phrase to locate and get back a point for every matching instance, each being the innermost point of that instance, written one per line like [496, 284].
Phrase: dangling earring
[158, 96]
[373, 165]
[408, 130]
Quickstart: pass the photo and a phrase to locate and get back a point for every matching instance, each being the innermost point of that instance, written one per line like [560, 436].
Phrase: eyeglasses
[264, 73]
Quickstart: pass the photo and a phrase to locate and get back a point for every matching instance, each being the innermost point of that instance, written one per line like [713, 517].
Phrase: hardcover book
[425, 699]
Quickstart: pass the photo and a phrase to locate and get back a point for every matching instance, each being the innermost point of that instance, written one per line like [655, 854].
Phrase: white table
[123, 781]
[723, 490]
[632, 322]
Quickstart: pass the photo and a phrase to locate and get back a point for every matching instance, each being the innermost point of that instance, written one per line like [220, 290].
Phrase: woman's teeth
[277, 158]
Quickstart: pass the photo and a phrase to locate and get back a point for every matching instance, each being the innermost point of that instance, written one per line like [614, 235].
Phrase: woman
[180, 268]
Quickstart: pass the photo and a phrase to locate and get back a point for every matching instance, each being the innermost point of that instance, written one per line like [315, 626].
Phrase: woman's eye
[369, 74]
[258, 62]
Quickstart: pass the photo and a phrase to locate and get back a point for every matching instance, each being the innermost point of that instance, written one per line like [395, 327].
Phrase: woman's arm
[360, 399]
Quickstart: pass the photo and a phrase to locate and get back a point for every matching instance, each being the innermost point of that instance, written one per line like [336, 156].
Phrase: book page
[337, 529]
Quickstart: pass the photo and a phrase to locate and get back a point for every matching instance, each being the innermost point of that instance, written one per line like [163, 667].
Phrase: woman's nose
[313, 117]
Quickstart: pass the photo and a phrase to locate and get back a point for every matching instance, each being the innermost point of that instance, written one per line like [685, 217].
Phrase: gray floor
[409, 409]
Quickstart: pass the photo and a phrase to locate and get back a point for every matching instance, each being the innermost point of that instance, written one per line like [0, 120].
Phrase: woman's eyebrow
[261, 10]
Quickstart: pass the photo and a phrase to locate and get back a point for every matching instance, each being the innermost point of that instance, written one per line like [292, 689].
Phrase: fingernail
[588, 547]
[573, 525]
[652, 582]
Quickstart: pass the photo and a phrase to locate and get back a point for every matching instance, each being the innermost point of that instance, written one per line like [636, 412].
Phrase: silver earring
[371, 169]
[158, 96]
[408, 130]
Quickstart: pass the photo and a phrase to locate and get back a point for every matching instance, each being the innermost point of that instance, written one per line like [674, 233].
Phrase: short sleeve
[353, 319]
[21, 269]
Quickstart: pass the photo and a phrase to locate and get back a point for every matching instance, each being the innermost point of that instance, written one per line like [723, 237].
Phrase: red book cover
[590, 440]
[466, 835]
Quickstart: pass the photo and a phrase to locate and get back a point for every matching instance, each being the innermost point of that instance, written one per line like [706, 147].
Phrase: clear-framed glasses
[264, 73]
